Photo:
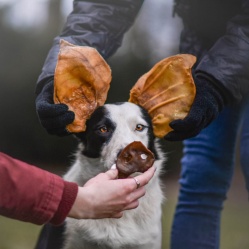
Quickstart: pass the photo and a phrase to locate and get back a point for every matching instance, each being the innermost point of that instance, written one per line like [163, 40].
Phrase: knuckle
[128, 188]
[128, 200]
[143, 192]
[118, 215]
[136, 204]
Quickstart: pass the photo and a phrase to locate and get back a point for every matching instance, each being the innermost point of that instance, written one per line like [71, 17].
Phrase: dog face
[114, 126]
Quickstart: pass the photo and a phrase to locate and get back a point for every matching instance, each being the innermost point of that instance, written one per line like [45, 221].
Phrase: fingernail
[113, 166]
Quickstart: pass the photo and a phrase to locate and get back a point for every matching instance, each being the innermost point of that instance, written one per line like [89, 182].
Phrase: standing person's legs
[207, 168]
[244, 146]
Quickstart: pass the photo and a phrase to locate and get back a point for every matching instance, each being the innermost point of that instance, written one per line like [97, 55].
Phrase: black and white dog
[165, 93]
[139, 228]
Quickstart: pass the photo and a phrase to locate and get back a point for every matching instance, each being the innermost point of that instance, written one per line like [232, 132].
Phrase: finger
[117, 215]
[108, 175]
[132, 205]
[111, 174]
[186, 124]
[58, 122]
[144, 178]
[179, 136]
[47, 110]
[138, 193]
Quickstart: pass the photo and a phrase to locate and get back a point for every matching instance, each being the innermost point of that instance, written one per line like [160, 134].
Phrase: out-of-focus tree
[23, 50]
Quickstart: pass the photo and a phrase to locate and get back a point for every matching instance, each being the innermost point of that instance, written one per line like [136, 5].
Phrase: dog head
[112, 127]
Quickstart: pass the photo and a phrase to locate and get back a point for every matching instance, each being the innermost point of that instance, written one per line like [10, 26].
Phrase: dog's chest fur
[109, 130]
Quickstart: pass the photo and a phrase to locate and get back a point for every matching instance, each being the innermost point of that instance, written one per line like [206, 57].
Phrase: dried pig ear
[167, 91]
[82, 80]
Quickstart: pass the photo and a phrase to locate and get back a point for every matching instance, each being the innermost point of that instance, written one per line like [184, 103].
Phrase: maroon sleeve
[30, 194]
[67, 200]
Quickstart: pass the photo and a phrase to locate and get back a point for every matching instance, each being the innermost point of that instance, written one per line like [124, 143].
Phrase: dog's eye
[103, 129]
[140, 127]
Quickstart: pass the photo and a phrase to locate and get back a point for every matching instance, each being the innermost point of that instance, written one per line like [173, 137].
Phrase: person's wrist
[208, 88]
[213, 87]
[67, 201]
[81, 208]
[41, 84]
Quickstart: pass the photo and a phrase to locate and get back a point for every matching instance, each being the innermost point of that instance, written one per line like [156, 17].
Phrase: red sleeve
[30, 194]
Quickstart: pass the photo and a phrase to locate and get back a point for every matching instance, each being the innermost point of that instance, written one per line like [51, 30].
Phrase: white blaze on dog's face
[112, 127]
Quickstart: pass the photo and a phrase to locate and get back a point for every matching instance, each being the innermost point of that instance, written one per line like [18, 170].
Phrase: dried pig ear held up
[82, 80]
[135, 157]
[167, 91]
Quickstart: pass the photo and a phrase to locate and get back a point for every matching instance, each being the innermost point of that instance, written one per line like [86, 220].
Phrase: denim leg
[207, 168]
[244, 146]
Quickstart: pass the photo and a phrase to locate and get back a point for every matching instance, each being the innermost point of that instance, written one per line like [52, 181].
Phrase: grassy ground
[235, 221]
[17, 235]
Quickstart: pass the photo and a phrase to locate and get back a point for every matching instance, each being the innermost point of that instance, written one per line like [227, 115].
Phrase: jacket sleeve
[30, 194]
[228, 60]
[97, 23]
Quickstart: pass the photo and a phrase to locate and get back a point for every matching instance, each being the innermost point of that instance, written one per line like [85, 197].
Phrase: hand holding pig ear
[167, 91]
[80, 84]
[53, 117]
[207, 105]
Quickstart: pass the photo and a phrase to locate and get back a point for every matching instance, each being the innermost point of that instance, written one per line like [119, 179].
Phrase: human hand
[53, 117]
[105, 196]
[207, 105]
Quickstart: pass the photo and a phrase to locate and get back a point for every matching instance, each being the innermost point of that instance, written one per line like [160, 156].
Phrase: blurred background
[27, 29]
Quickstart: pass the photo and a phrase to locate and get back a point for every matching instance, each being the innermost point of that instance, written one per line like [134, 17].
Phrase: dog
[161, 95]
[110, 129]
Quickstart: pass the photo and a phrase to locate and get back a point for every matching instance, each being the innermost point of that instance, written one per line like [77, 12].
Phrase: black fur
[51, 237]
[92, 138]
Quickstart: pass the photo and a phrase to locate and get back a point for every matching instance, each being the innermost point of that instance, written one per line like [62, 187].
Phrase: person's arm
[221, 77]
[97, 23]
[30, 194]
[227, 61]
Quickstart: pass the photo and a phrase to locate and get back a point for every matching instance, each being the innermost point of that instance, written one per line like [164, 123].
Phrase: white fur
[139, 228]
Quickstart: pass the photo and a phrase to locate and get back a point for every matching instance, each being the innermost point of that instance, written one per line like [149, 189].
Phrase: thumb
[112, 174]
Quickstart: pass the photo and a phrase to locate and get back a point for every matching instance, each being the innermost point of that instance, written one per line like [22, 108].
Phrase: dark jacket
[217, 31]
[96, 23]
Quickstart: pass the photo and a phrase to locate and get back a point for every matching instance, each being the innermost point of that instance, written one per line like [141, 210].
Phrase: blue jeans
[207, 169]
